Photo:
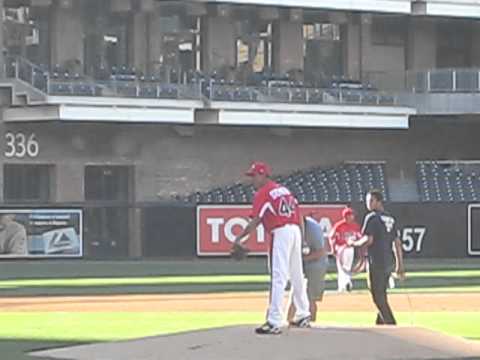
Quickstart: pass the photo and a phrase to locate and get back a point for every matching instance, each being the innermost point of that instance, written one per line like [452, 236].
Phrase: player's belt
[281, 226]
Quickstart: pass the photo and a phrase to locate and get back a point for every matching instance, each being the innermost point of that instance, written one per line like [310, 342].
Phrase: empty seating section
[448, 182]
[274, 91]
[171, 83]
[344, 184]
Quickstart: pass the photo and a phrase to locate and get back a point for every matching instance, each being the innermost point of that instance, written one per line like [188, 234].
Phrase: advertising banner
[218, 225]
[32, 233]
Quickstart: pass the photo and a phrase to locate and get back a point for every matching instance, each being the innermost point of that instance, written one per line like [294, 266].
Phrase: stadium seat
[82, 89]
[448, 182]
[342, 184]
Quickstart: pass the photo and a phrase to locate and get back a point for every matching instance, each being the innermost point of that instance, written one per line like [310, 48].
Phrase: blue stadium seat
[83, 89]
[448, 182]
[148, 91]
[342, 184]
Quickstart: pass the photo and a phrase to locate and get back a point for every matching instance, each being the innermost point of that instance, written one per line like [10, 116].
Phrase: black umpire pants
[378, 288]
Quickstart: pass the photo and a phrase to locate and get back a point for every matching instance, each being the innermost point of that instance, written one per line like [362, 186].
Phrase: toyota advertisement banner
[40, 233]
[217, 226]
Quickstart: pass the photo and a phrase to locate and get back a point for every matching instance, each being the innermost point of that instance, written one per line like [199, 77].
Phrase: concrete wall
[137, 50]
[383, 65]
[155, 42]
[476, 44]
[422, 44]
[218, 43]
[352, 50]
[66, 35]
[167, 163]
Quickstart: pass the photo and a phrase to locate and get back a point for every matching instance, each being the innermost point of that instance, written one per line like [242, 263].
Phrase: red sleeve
[258, 202]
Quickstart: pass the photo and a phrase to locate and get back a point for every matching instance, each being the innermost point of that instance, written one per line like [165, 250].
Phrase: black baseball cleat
[349, 287]
[302, 323]
[268, 329]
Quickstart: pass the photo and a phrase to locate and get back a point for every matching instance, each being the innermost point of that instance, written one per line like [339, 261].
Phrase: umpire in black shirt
[381, 236]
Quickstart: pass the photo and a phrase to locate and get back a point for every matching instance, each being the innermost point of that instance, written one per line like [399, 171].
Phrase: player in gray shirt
[315, 264]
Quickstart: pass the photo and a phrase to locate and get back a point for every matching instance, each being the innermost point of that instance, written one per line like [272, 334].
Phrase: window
[253, 47]
[323, 53]
[242, 52]
[321, 32]
[107, 183]
[388, 31]
[27, 183]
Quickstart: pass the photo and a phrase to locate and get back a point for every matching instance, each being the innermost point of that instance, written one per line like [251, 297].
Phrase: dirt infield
[240, 343]
[254, 301]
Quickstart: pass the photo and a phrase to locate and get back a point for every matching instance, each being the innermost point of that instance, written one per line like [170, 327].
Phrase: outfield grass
[48, 269]
[420, 281]
[204, 279]
[57, 329]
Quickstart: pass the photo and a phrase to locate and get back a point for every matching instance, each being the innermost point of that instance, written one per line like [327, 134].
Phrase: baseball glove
[238, 252]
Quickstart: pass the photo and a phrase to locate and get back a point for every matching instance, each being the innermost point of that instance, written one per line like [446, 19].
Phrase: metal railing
[40, 79]
[23, 69]
[398, 86]
[300, 95]
[444, 80]
[459, 80]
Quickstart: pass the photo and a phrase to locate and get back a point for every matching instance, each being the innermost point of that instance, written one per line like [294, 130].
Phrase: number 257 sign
[218, 225]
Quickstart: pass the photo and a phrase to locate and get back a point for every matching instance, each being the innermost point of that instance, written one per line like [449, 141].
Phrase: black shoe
[302, 323]
[349, 287]
[268, 329]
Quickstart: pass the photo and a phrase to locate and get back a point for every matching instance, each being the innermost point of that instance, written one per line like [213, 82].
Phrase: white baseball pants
[286, 263]
[344, 260]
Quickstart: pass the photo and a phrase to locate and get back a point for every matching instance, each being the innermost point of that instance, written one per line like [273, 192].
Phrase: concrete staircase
[15, 92]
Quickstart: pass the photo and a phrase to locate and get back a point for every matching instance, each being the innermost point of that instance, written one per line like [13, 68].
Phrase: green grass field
[24, 331]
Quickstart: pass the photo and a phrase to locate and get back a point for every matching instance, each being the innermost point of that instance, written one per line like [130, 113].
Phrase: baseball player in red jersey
[276, 208]
[341, 233]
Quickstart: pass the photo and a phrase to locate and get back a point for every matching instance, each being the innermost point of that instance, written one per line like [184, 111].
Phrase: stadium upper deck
[362, 64]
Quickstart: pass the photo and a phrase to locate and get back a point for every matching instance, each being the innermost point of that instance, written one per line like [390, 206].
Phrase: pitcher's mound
[240, 343]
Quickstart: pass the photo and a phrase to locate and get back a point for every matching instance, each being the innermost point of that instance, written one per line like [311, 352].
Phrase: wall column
[475, 44]
[138, 41]
[67, 35]
[422, 44]
[218, 43]
[68, 183]
[287, 46]
[2, 41]
[352, 50]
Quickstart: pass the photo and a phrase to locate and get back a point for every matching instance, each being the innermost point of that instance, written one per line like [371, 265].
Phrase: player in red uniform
[276, 208]
[342, 232]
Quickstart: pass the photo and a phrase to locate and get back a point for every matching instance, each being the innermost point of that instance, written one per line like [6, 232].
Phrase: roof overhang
[385, 6]
[106, 110]
[374, 117]
[451, 8]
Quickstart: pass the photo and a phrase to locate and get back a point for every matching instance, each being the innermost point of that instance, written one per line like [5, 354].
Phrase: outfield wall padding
[436, 230]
